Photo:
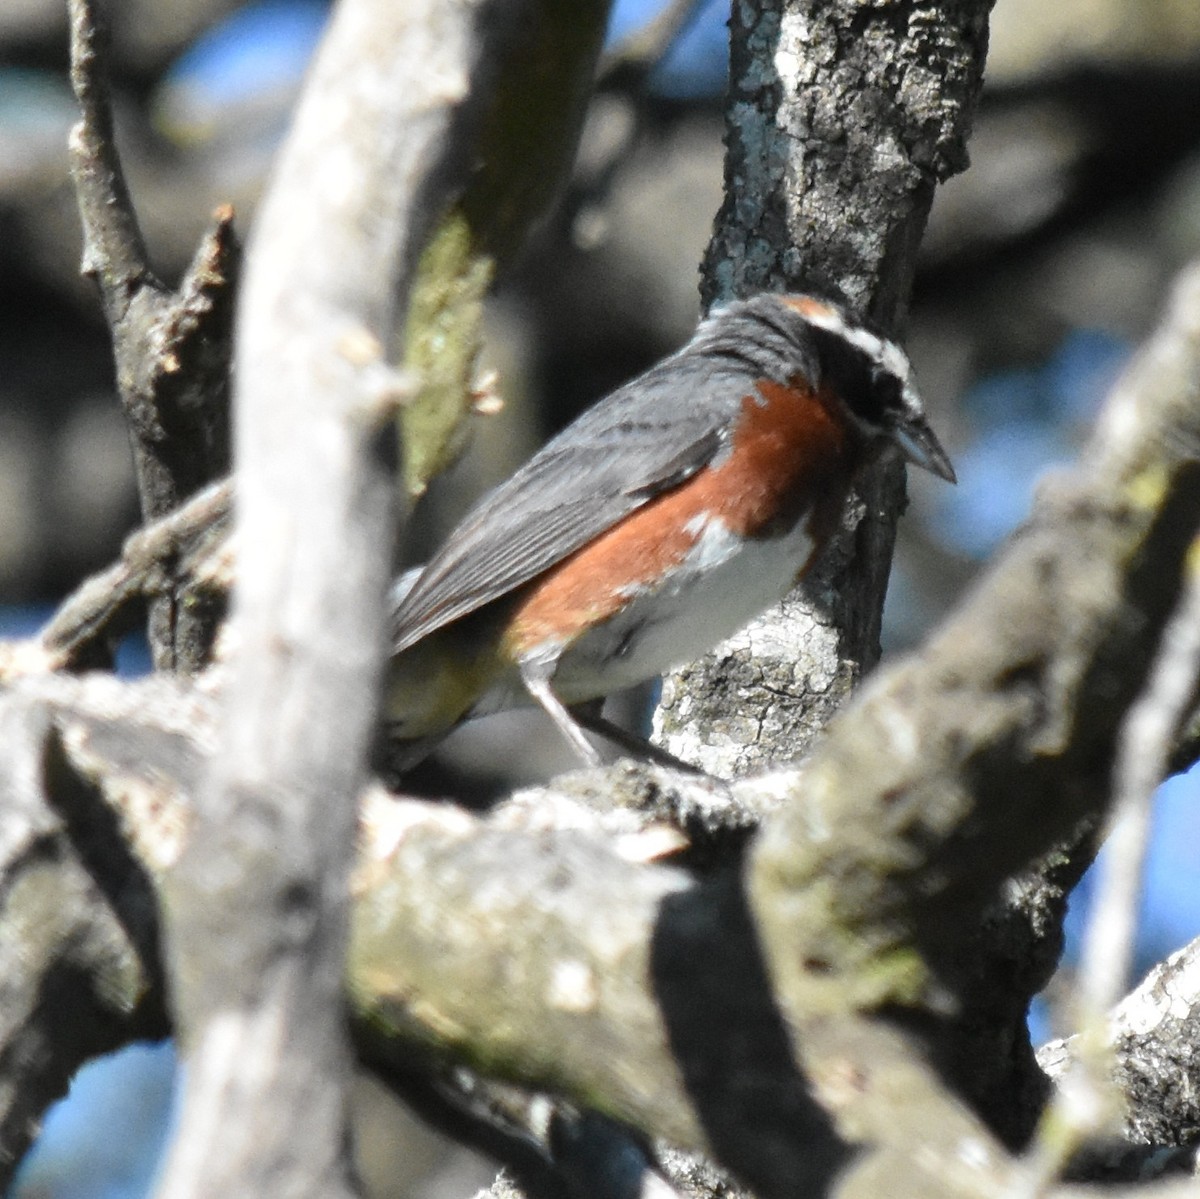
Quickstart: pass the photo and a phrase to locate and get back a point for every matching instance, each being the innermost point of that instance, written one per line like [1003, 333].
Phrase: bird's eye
[886, 386]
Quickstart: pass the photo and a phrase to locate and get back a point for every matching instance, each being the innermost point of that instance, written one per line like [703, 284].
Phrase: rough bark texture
[841, 119]
[817, 1020]
[80, 969]
[172, 347]
[1153, 1034]
[380, 143]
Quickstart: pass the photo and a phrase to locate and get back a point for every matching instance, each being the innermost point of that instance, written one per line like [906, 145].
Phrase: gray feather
[641, 440]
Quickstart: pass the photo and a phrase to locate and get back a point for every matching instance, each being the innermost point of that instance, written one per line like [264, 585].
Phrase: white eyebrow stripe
[882, 349]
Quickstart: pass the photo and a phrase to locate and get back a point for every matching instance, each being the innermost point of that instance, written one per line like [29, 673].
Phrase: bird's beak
[920, 446]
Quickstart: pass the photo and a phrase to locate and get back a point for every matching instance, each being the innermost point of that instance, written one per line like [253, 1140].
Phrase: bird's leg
[633, 744]
[538, 685]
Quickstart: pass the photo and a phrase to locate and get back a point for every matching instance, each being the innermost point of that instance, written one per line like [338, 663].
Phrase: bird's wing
[636, 443]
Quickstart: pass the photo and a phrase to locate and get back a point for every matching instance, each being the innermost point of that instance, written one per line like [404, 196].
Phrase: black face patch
[888, 390]
[872, 392]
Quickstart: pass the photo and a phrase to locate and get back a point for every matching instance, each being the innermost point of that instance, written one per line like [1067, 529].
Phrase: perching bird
[656, 524]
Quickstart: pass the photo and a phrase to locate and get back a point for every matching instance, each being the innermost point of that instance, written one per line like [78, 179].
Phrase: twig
[172, 349]
[1146, 740]
[114, 251]
[149, 566]
[1156, 1064]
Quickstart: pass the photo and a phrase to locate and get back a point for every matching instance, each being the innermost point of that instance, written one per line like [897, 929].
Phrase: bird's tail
[431, 687]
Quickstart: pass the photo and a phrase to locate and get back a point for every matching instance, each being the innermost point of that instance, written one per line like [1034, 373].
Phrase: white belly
[724, 582]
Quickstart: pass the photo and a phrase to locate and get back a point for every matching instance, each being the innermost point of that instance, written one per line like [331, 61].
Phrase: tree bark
[381, 142]
[841, 119]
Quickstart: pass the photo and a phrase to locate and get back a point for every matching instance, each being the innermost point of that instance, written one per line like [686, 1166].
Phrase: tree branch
[176, 552]
[1152, 1033]
[79, 954]
[841, 118]
[543, 957]
[960, 765]
[384, 138]
[172, 348]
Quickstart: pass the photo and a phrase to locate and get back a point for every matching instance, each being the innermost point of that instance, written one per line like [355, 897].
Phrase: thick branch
[79, 956]
[841, 119]
[961, 764]
[384, 136]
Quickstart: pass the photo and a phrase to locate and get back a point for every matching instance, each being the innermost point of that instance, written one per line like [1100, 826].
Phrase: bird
[658, 523]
